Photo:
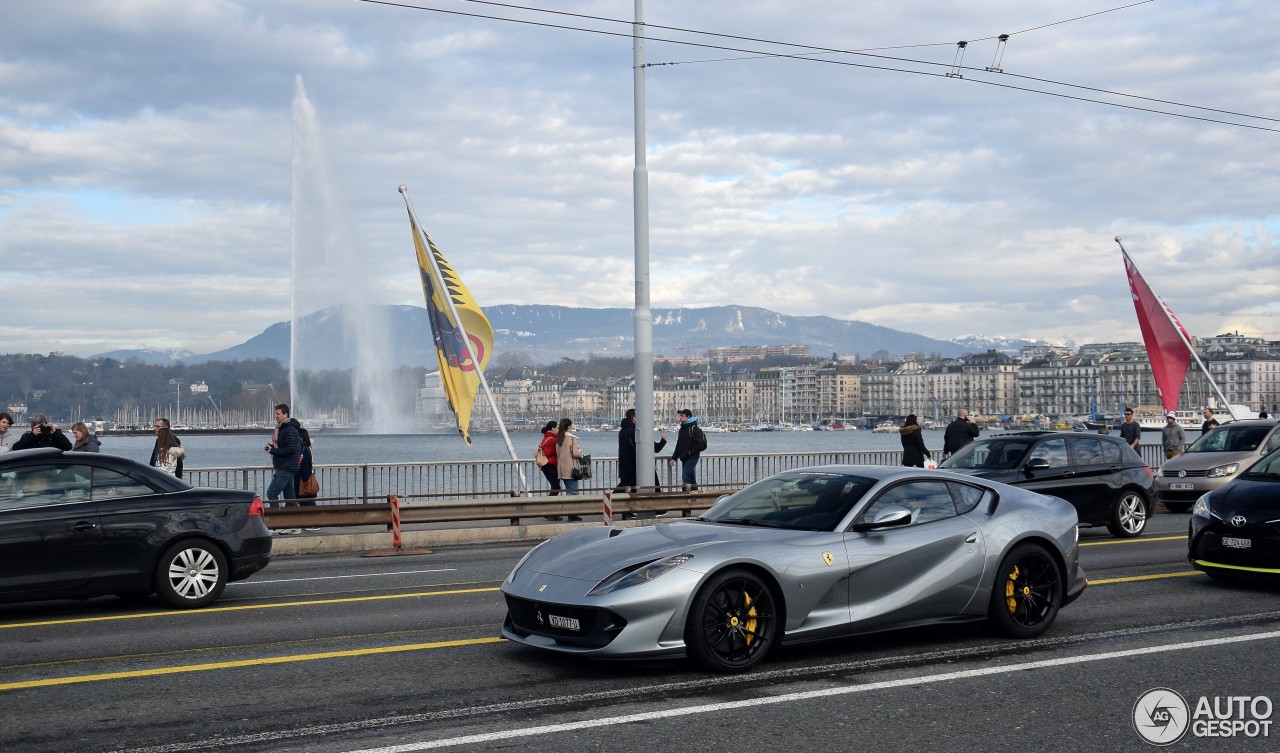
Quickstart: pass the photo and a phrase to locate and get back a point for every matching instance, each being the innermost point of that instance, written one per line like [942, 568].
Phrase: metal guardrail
[512, 509]
[357, 494]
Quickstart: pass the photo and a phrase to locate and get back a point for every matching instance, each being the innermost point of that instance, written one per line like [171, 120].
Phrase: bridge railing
[455, 480]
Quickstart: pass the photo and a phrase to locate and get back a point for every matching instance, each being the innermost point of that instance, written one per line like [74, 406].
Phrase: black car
[76, 524]
[1101, 476]
[1235, 529]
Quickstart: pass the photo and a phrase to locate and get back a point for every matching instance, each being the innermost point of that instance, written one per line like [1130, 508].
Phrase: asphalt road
[345, 653]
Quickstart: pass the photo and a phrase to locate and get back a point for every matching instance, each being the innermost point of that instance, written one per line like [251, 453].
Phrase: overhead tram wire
[809, 57]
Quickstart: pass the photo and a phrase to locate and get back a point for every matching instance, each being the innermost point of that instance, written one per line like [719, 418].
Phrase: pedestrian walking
[568, 451]
[913, 450]
[286, 456]
[1173, 437]
[85, 442]
[959, 433]
[691, 442]
[1131, 430]
[43, 434]
[627, 453]
[168, 453]
[7, 437]
[306, 470]
[162, 424]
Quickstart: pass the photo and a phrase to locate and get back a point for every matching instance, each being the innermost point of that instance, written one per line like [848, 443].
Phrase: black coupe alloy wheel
[1027, 592]
[732, 623]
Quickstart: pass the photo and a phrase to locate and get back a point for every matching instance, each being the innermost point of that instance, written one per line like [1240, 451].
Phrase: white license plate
[1180, 486]
[565, 623]
[1236, 543]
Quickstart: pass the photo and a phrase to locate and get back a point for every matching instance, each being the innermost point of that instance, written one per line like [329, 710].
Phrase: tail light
[255, 507]
[1150, 472]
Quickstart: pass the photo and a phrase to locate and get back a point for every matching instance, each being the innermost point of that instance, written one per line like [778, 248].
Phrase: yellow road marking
[243, 663]
[245, 607]
[1136, 578]
[1139, 540]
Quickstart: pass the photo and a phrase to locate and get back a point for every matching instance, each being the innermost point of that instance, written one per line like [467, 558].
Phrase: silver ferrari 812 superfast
[807, 554]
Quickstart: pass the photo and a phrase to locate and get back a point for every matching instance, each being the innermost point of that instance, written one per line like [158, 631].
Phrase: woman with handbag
[306, 487]
[567, 453]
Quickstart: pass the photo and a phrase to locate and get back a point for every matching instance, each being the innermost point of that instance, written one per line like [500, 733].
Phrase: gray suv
[1213, 460]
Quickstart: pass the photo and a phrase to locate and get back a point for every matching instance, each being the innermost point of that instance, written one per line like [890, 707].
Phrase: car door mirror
[887, 518]
[1036, 464]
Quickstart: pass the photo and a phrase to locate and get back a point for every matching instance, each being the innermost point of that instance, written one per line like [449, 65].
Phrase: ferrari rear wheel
[1128, 515]
[1027, 592]
[733, 622]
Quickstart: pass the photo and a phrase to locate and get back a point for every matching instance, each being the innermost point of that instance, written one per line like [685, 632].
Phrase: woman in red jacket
[548, 447]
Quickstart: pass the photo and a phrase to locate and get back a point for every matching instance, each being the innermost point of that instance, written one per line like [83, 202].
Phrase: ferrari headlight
[1224, 470]
[628, 577]
[1202, 508]
[524, 559]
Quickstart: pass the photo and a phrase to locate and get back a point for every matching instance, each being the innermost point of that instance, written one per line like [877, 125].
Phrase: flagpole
[1182, 335]
[642, 317]
[466, 340]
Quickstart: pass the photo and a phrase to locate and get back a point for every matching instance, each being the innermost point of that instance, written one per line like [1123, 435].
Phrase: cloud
[146, 172]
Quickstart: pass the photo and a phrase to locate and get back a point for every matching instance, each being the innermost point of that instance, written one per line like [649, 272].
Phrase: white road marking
[807, 695]
[336, 577]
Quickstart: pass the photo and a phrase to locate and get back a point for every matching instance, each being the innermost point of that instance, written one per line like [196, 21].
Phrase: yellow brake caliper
[750, 624]
[1009, 590]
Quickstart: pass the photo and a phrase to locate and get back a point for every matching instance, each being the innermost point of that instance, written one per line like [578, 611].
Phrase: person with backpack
[690, 443]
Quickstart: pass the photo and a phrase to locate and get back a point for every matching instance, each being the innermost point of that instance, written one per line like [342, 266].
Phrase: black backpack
[699, 438]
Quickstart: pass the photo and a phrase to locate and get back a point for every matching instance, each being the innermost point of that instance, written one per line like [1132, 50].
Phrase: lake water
[245, 450]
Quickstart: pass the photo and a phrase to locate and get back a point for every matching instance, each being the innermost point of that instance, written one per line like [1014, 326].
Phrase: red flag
[1166, 348]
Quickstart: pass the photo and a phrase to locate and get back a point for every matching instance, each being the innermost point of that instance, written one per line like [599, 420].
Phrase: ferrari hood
[592, 554]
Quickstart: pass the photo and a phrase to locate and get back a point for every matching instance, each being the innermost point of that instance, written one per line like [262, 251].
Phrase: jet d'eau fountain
[329, 278]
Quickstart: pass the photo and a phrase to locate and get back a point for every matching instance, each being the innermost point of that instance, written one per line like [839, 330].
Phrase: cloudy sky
[146, 160]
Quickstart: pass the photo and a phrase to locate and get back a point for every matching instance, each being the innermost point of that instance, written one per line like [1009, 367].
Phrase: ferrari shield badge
[828, 558]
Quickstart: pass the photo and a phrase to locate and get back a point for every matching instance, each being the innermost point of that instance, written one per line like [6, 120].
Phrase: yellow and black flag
[458, 369]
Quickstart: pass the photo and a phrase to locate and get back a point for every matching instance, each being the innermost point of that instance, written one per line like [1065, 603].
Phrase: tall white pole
[643, 316]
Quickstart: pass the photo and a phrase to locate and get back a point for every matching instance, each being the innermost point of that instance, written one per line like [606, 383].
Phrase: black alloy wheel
[1027, 592]
[733, 622]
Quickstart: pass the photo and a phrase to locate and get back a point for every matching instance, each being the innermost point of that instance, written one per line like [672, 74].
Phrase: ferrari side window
[966, 497]
[927, 500]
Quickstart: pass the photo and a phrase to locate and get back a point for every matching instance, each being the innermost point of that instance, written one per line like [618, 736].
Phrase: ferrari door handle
[973, 538]
[83, 526]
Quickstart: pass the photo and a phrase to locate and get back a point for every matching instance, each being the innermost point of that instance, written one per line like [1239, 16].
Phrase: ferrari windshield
[803, 500]
[991, 454]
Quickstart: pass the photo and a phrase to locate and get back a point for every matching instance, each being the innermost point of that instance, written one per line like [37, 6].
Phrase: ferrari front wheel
[733, 622]
[1027, 592]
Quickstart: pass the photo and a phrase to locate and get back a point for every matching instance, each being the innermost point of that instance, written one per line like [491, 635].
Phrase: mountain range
[547, 334]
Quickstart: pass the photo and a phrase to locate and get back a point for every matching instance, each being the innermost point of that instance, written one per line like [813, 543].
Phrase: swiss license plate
[564, 623]
[1180, 486]
[1236, 543]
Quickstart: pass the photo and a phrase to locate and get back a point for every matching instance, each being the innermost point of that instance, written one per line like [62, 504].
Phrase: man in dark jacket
[163, 423]
[959, 433]
[286, 457]
[690, 443]
[627, 453]
[43, 434]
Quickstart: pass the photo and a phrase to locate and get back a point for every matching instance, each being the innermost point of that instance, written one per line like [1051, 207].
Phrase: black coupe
[75, 525]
